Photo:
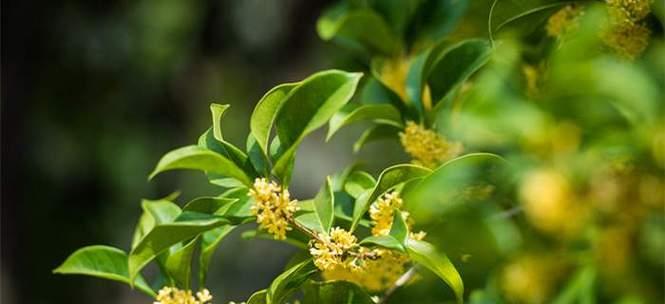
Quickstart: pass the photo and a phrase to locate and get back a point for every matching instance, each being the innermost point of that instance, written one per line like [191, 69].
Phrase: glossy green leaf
[358, 182]
[208, 141]
[360, 29]
[426, 255]
[186, 226]
[324, 206]
[258, 297]
[154, 212]
[385, 241]
[178, 264]
[103, 262]
[209, 205]
[455, 65]
[257, 157]
[265, 113]
[210, 240]
[374, 133]
[399, 230]
[289, 281]
[198, 158]
[377, 113]
[388, 179]
[307, 107]
[335, 292]
[217, 111]
[439, 192]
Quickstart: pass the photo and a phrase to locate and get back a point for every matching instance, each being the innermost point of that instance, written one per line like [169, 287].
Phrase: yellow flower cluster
[563, 20]
[377, 274]
[629, 10]
[627, 36]
[382, 211]
[549, 203]
[172, 295]
[331, 251]
[426, 147]
[530, 279]
[272, 207]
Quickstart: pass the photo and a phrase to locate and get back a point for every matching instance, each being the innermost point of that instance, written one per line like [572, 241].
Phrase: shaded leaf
[266, 111]
[426, 255]
[377, 113]
[289, 281]
[103, 262]
[198, 158]
[375, 133]
[178, 264]
[399, 230]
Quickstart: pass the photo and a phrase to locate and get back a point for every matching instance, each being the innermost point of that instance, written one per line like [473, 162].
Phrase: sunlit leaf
[426, 255]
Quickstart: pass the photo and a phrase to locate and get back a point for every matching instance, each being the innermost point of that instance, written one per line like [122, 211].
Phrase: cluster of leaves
[557, 109]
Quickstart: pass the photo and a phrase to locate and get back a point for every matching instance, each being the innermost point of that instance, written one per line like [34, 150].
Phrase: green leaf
[208, 141]
[258, 297]
[210, 240]
[307, 107]
[440, 191]
[209, 205]
[198, 158]
[178, 264]
[257, 157]
[362, 30]
[426, 255]
[217, 111]
[377, 113]
[103, 262]
[289, 281]
[385, 241]
[265, 113]
[335, 292]
[375, 133]
[154, 212]
[388, 179]
[186, 226]
[436, 19]
[455, 65]
[358, 182]
[324, 206]
[399, 230]
[509, 11]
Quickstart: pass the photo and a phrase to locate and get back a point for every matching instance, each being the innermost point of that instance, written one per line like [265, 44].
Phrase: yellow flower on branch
[172, 295]
[330, 251]
[272, 207]
[426, 147]
[382, 211]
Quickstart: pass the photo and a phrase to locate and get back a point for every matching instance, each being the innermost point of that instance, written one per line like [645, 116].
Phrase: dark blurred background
[94, 92]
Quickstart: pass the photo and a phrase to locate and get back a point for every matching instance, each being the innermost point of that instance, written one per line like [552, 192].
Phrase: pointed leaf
[266, 112]
[323, 206]
[377, 113]
[258, 297]
[362, 30]
[102, 262]
[399, 230]
[210, 240]
[161, 237]
[388, 179]
[289, 281]
[198, 158]
[426, 255]
[178, 264]
[385, 241]
[307, 107]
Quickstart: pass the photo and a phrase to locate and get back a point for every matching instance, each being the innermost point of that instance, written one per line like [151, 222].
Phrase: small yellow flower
[381, 212]
[377, 274]
[530, 278]
[563, 20]
[272, 207]
[426, 147]
[627, 40]
[172, 295]
[330, 251]
[629, 11]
